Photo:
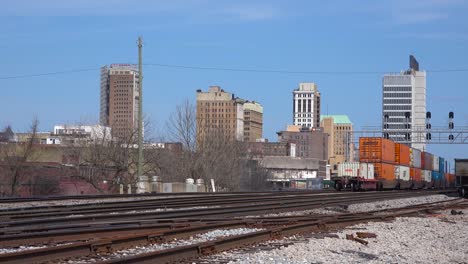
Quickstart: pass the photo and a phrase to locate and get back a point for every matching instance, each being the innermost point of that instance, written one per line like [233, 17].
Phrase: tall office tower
[306, 105]
[119, 99]
[219, 113]
[404, 106]
[253, 121]
[340, 139]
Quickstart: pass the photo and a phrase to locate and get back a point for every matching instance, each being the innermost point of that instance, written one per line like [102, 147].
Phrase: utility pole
[140, 110]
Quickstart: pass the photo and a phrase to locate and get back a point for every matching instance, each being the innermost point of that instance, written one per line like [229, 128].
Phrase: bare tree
[15, 156]
[215, 154]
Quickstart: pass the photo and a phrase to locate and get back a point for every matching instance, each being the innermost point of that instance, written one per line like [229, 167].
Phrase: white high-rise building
[404, 106]
[306, 105]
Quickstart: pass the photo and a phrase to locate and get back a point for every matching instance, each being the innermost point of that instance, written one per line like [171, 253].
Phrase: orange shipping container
[376, 150]
[384, 171]
[416, 175]
[402, 154]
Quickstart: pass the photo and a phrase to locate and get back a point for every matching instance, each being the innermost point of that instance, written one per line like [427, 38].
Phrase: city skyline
[270, 42]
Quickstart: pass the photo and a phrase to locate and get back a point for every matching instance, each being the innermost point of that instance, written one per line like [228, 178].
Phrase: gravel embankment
[366, 207]
[440, 238]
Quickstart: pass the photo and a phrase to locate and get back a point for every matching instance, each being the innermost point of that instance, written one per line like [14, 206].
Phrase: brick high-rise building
[253, 121]
[219, 113]
[120, 99]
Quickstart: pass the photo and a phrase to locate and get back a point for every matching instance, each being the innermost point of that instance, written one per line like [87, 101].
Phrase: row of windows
[397, 107]
[397, 101]
[215, 110]
[398, 89]
[398, 120]
[397, 95]
[397, 126]
[392, 114]
[216, 103]
[303, 115]
[303, 95]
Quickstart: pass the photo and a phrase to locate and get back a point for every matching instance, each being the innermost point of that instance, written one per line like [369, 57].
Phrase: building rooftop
[337, 119]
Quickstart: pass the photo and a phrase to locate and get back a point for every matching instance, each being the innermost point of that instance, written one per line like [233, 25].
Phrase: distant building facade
[277, 149]
[340, 145]
[253, 121]
[309, 142]
[120, 99]
[220, 113]
[71, 134]
[285, 171]
[404, 106]
[306, 105]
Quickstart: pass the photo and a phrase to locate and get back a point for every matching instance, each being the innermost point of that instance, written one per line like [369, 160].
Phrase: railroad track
[272, 228]
[34, 220]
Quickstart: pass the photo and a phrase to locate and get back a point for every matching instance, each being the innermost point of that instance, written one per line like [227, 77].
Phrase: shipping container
[376, 150]
[402, 154]
[366, 170]
[415, 175]
[426, 161]
[384, 171]
[449, 180]
[348, 169]
[435, 163]
[426, 176]
[402, 173]
[437, 178]
[415, 158]
[441, 165]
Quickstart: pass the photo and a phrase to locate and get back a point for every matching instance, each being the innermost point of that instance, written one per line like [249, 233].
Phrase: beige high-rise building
[120, 99]
[340, 131]
[253, 121]
[219, 113]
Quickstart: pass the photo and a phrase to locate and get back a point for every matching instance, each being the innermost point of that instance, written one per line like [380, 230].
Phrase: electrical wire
[227, 69]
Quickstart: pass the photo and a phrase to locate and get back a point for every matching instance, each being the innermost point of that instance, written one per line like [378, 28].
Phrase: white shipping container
[366, 171]
[435, 162]
[427, 175]
[415, 158]
[402, 173]
[348, 169]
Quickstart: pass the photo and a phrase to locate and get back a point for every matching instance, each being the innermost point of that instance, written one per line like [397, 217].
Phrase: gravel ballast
[440, 238]
[366, 207]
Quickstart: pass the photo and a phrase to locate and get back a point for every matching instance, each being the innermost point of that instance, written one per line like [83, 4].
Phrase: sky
[345, 46]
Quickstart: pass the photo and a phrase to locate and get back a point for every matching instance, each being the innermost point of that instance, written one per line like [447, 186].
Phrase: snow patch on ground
[163, 210]
[23, 248]
[439, 238]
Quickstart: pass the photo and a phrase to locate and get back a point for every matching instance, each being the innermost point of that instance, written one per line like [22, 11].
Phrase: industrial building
[404, 106]
[120, 99]
[340, 146]
[306, 105]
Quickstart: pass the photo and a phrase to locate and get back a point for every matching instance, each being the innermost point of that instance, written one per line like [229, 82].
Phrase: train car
[461, 176]
[416, 178]
[355, 176]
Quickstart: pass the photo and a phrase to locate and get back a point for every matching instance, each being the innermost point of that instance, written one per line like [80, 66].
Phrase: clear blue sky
[372, 36]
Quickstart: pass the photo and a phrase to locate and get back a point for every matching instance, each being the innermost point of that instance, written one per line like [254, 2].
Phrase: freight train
[384, 164]
[461, 173]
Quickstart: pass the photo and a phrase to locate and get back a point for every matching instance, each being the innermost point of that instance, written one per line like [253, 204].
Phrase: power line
[189, 67]
[46, 74]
